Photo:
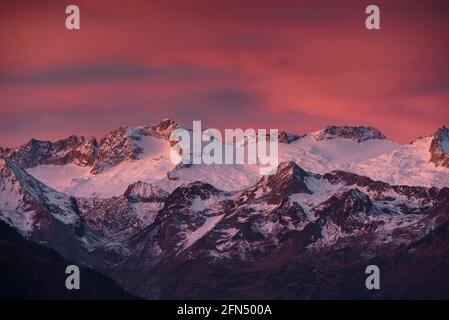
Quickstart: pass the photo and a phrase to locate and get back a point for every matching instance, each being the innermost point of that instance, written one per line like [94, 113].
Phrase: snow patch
[207, 226]
[152, 166]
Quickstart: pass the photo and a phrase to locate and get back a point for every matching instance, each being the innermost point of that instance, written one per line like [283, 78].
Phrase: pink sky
[292, 65]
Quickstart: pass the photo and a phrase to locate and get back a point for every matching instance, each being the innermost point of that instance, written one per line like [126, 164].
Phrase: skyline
[292, 65]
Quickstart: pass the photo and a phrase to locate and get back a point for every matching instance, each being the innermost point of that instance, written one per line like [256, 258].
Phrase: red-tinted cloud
[295, 65]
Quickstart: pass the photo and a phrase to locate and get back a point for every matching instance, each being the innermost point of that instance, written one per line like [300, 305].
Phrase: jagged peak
[115, 147]
[282, 137]
[164, 124]
[355, 133]
[286, 171]
[288, 179]
[144, 190]
[122, 130]
[442, 134]
[71, 138]
[285, 137]
[73, 149]
[163, 128]
[289, 164]
[167, 120]
[290, 167]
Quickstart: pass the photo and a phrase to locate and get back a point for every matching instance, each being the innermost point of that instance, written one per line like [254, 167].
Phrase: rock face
[228, 243]
[163, 129]
[284, 137]
[358, 134]
[116, 147]
[275, 189]
[119, 218]
[45, 215]
[123, 144]
[144, 192]
[78, 150]
[349, 210]
[439, 148]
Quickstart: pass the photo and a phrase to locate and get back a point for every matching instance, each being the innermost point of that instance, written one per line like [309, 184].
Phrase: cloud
[295, 65]
[95, 74]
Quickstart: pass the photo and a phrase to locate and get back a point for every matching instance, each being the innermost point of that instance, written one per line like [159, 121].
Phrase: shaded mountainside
[415, 270]
[358, 134]
[439, 147]
[46, 216]
[121, 217]
[78, 150]
[30, 271]
[294, 235]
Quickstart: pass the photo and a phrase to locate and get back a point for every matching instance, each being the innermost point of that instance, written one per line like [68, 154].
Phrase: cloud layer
[293, 65]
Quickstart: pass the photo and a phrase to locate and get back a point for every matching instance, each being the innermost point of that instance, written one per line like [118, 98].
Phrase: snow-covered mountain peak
[74, 149]
[164, 128]
[358, 134]
[286, 138]
[123, 143]
[442, 135]
[144, 192]
[290, 168]
[24, 198]
[115, 147]
[274, 189]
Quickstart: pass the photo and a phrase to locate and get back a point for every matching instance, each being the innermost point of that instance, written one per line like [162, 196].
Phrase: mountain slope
[223, 231]
[30, 271]
[46, 216]
[290, 216]
[439, 148]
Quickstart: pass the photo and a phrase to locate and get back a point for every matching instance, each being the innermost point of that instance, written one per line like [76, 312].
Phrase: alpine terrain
[342, 198]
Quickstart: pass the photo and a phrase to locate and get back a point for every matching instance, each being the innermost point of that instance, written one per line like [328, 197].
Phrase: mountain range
[342, 198]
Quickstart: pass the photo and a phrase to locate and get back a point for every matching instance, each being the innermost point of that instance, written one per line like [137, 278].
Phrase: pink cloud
[296, 65]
